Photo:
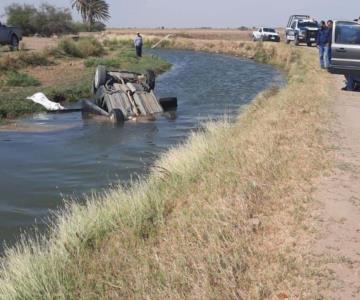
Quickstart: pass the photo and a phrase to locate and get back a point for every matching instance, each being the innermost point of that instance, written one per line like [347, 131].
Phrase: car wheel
[168, 103]
[297, 40]
[100, 77]
[150, 79]
[309, 44]
[116, 116]
[14, 43]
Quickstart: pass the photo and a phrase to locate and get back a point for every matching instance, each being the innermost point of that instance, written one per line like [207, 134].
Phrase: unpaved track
[339, 197]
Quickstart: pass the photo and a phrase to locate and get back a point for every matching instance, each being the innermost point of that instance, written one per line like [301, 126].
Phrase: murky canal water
[38, 169]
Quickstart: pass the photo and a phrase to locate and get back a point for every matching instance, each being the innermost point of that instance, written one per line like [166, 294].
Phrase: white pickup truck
[266, 34]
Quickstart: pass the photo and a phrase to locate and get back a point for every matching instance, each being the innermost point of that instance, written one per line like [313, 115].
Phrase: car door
[345, 48]
[291, 31]
[3, 34]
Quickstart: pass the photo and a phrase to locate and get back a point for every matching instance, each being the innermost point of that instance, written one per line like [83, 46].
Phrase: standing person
[138, 42]
[322, 42]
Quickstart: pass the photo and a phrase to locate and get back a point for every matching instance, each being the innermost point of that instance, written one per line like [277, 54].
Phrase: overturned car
[123, 95]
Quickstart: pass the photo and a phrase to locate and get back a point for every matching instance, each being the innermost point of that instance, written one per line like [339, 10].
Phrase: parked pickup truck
[266, 34]
[301, 29]
[10, 36]
[345, 49]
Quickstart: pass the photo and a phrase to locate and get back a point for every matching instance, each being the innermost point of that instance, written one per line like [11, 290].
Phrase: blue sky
[223, 13]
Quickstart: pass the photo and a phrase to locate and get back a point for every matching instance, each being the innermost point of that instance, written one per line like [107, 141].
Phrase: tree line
[47, 19]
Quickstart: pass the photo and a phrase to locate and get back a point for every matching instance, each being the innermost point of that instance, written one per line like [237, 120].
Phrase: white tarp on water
[41, 99]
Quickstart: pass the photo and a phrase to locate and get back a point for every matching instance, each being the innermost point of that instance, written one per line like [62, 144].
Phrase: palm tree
[92, 10]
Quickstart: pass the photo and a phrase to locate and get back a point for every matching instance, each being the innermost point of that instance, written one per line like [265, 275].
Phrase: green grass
[17, 79]
[13, 101]
[185, 231]
[126, 59]
[115, 44]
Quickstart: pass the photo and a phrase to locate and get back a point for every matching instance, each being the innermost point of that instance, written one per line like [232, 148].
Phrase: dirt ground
[339, 197]
[38, 43]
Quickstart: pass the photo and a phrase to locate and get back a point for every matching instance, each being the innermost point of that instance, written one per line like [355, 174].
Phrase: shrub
[82, 48]
[24, 59]
[35, 59]
[14, 78]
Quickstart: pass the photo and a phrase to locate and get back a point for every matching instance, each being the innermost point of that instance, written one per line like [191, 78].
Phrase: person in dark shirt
[323, 41]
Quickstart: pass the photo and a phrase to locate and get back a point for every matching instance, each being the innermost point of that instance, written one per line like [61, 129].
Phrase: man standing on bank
[138, 42]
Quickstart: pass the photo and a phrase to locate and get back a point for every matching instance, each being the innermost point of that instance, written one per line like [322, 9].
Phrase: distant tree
[243, 28]
[22, 16]
[92, 11]
[45, 20]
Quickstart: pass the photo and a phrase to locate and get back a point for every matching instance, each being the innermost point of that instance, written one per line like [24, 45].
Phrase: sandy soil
[64, 71]
[39, 43]
[339, 197]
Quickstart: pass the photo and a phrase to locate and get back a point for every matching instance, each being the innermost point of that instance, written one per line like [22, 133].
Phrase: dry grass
[223, 216]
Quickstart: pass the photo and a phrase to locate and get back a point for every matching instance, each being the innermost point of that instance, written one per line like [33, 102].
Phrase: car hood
[310, 28]
[271, 33]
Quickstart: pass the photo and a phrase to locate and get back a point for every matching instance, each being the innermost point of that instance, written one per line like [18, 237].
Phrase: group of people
[324, 41]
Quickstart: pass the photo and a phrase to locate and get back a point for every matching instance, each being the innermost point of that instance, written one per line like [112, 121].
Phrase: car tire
[296, 41]
[168, 103]
[100, 77]
[150, 79]
[116, 116]
[309, 44]
[14, 43]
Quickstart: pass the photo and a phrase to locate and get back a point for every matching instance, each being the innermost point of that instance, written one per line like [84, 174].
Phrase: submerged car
[123, 95]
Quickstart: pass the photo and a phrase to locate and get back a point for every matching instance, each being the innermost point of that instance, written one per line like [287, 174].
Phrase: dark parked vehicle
[345, 49]
[301, 29]
[124, 95]
[10, 36]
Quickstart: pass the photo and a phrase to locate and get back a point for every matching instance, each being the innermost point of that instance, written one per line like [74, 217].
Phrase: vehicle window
[260, 30]
[347, 33]
[293, 26]
[269, 30]
[308, 24]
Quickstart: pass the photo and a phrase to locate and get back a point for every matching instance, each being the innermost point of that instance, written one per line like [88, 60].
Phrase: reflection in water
[40, 167]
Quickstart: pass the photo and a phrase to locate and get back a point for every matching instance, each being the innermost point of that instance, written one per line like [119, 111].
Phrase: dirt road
[339, 196]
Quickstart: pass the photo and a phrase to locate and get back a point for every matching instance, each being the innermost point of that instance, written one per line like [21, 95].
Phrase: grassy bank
[223, 216]
[68, 70]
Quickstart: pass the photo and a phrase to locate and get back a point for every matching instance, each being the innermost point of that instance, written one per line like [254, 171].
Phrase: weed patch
[16, 79]
[82, 48]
